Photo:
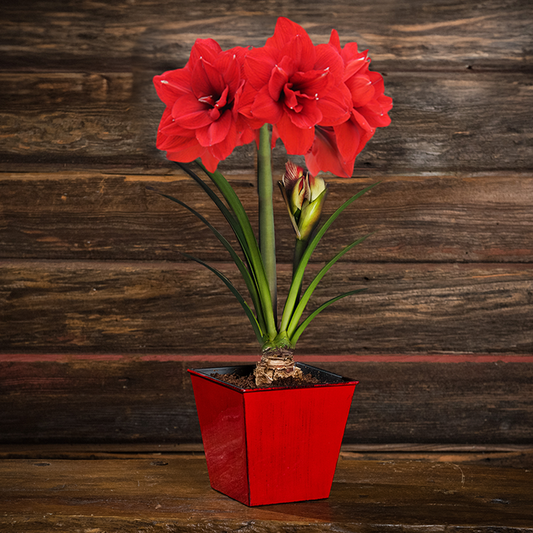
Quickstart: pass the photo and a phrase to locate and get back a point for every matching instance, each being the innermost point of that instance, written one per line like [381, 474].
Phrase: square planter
[273, 445]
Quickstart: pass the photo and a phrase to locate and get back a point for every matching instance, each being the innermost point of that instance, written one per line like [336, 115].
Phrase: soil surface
[248, 382]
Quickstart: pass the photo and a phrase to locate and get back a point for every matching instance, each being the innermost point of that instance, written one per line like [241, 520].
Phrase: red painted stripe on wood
[386, 358]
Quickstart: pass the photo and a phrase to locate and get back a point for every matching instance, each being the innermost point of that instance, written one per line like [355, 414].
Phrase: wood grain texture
[154, 307]
[91, 263]
[442, 122]
[135, 399]
[94, 216]
[169, 493]
[400, 34]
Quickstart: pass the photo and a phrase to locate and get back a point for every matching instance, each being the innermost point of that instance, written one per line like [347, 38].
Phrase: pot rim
[204, 373]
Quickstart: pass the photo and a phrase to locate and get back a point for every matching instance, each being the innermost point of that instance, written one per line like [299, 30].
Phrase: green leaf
[249, 313]
[312, 286]
[235, 226]
[255, 259]
[305, 323]
[243, 231]
[236, 259]
[297, 279]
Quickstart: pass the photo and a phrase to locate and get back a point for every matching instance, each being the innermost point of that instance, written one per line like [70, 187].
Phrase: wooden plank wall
[101, 315]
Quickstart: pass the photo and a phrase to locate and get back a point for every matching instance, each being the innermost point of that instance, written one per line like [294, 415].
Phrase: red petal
[361, 89]
[224, 148]
[224, 97]
[292, 40]
[362, 121]
[313, 82]
[187, 154]
[207, 80]
[385, 102]
[172, 129]
[376, 119]
[216, 132]
[206, 48]
[354, 67]
[290, 100]
[277, 81]
[258, 66]
[284, 31]
[175, 144]
[329, 58]
[302, 51]
[288, 65]
[297, 141]
[246, 136]
[190, 113]
[266, 109]
[334, 40]
[335, 105]
[172, 85]
[243, 106]
[309, 115]
[210, 161]
[347, 140]
[230, 68]
[324, 155]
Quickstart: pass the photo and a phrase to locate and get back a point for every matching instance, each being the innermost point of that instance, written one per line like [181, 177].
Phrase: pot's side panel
[221, 415]
[293, 440]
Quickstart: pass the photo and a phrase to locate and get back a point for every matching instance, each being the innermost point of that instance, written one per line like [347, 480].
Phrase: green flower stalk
[267, 232]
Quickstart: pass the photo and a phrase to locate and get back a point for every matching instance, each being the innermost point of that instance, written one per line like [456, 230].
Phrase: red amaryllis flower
[202, 117]
[335, 147]
[298, 85]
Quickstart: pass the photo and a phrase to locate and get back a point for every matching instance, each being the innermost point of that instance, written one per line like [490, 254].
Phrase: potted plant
[323, 102]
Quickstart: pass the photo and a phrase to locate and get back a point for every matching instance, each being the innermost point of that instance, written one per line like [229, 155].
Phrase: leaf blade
[312, 286]
[297, 279]
[236, 259]
[307, 321]
[255, 260]
[249, 313]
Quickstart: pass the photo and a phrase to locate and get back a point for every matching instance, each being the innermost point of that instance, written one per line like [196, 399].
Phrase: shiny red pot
[274, 445]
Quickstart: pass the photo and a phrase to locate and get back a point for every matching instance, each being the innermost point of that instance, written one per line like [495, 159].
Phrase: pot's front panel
[293, 441]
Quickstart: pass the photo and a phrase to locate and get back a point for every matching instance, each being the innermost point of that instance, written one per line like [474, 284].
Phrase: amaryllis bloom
[304, 197]
[297, 84]
[335, 147]
[202, 119]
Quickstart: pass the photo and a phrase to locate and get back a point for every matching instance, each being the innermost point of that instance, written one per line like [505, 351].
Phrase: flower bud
[310, 215]
[304, 197]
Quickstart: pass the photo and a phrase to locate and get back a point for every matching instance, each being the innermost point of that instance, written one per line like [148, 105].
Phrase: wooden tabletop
[67, 489]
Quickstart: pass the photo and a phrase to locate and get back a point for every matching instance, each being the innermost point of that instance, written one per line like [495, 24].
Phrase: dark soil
[248, 382]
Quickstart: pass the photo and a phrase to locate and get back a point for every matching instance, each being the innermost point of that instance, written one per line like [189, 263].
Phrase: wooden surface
[152, 491]
[100, 315]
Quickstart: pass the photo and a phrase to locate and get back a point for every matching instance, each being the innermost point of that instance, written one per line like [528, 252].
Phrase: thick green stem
[267, 240]
[299, 249]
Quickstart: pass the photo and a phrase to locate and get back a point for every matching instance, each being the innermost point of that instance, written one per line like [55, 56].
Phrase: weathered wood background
[101, 315]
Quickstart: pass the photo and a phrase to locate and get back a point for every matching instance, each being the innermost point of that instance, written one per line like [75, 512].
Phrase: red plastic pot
[275, 445]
